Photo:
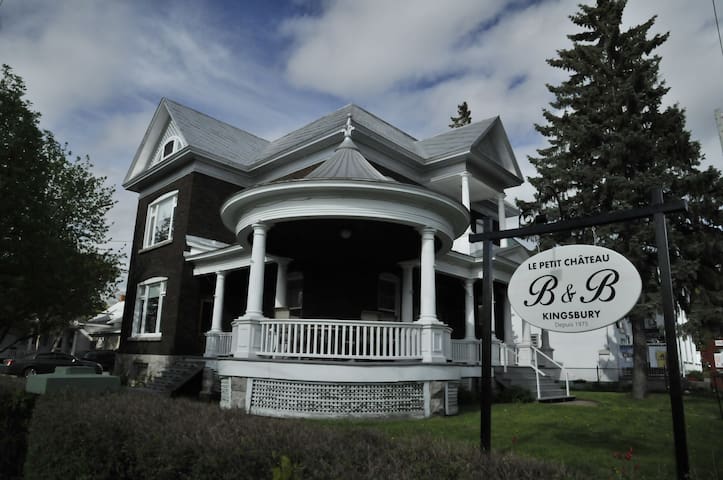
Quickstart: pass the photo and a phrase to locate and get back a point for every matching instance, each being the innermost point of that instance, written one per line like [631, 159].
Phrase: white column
[217, 315]
[462, 244]
[545, 342]
[501, 216]
[281, 300]
[407, 292]
[469, 309]
[523, 349]
[508, 325]
[428, 292]
[254, 303]
[465, 189]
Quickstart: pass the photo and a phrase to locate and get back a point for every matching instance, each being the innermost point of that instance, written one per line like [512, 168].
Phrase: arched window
[171, 146]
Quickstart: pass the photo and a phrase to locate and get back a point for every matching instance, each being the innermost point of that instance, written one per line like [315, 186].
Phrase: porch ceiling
[344, 240]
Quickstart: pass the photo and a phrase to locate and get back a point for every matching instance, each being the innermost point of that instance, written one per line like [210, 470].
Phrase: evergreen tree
[610, 142]
[464, 116]
[52, 216]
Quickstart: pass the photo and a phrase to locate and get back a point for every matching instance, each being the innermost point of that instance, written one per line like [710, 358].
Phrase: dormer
[180, 139]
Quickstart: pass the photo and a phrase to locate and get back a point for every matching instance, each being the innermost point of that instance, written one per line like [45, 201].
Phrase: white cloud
[97, 70]
[366, 47]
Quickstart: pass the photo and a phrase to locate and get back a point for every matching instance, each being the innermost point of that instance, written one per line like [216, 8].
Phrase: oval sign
[574, 288]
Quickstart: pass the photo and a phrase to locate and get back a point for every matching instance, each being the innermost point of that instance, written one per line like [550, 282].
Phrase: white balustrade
[466, 351]
[218, 343]
[340, 339]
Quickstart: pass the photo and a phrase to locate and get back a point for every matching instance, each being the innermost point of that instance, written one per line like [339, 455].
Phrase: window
[169, 148]
[159, 221]
[295, 292]
[388, 294]
[149, 306]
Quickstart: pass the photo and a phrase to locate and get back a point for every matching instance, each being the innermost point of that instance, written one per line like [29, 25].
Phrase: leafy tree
[464, 116]
[610, 142]
[52, 216]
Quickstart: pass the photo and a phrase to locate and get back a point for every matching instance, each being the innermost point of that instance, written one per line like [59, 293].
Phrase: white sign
[574, 288]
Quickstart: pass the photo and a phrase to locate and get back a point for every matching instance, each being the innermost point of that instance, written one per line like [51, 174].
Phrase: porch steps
[550, 390]
[174, 377]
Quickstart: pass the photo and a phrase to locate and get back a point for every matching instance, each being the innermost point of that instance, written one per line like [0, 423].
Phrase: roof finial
[348, 128]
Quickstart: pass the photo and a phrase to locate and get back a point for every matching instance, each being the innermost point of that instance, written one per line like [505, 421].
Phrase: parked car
[44, 363]
[106, 358]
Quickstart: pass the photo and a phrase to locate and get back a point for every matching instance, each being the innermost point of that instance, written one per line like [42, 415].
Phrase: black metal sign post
[486, 373]
[656, 209]
[671, 346]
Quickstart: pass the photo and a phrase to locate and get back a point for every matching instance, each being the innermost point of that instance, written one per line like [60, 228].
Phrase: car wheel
[29, 371]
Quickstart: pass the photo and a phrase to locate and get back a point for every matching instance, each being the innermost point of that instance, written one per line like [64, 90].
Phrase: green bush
[16, 408]
[514, 394]
[695, 375]
[130, 436]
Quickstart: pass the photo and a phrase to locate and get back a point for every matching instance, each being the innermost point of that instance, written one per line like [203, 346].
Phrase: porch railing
[466, 351]
[470, 353]
[218, 344]
[340, 339]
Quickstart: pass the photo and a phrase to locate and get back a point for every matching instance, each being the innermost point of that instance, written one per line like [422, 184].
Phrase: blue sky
[96, 69]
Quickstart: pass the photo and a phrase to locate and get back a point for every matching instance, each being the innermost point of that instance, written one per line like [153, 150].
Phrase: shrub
[695, 375]
[16, 408]
[514, 394]
[130, 436]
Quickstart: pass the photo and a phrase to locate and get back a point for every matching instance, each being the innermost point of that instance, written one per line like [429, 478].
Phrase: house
[606, 354]
[325, 273]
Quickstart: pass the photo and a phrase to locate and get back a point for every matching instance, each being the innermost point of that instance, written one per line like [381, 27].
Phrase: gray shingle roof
[330, 124]
[347, 162]
[455, 140]
[215, 136]
[234, 144]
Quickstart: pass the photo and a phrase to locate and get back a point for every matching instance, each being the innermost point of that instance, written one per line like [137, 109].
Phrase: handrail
[558, 365]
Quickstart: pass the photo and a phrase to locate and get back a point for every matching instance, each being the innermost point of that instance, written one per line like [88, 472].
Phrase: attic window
[169, 148]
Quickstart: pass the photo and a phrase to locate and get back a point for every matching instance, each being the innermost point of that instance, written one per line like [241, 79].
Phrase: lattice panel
[282, 398]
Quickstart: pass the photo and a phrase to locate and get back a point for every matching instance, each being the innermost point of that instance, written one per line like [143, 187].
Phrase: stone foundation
[138, 369]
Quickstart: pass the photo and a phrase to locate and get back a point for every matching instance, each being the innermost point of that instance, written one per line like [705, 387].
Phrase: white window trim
[139, 318]
[390, 277]
[152, 215]
[176, 147]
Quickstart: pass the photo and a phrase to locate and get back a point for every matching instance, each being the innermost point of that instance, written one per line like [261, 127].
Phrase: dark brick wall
[197, 213]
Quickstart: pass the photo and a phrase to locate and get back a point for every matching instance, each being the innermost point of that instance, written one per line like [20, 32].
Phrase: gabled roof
[330, 124]
[455, 140]
[214, 136]
[236, 147]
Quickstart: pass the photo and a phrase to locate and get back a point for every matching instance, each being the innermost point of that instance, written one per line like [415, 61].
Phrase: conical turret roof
[347, 162]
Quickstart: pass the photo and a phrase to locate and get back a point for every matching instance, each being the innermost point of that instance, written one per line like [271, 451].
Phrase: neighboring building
[606, 354]
[324, 273]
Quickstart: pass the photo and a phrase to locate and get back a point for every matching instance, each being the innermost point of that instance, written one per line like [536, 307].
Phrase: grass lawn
[586, 437]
